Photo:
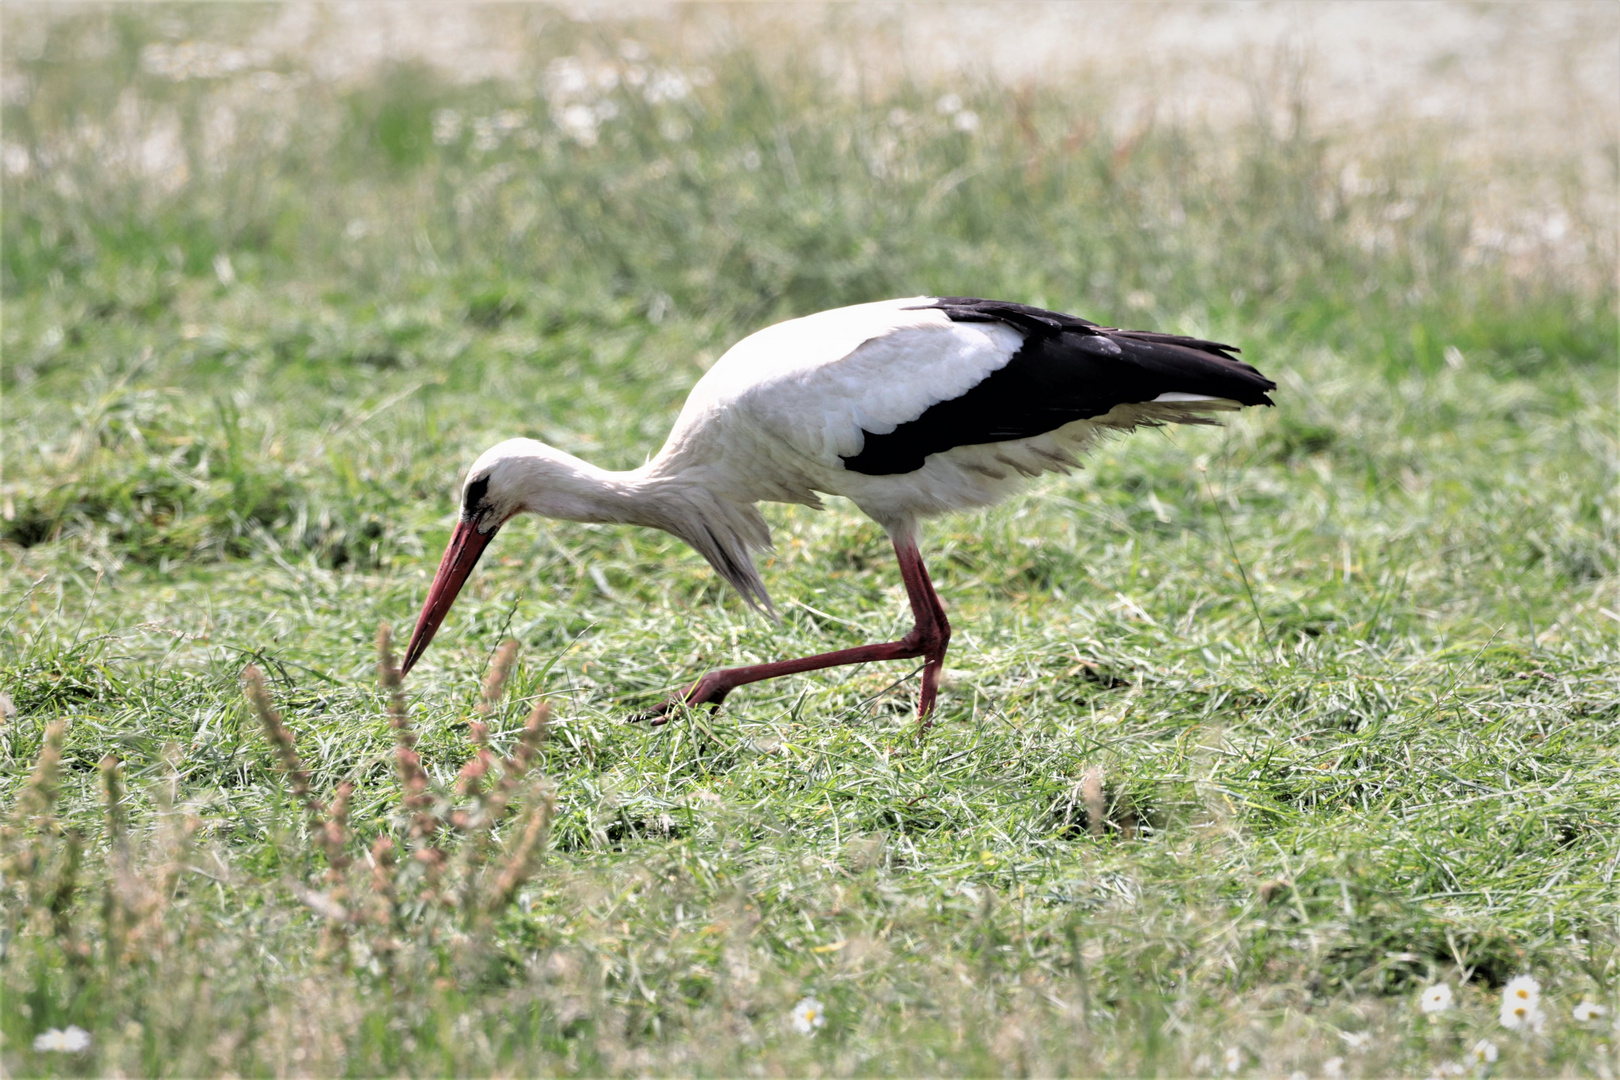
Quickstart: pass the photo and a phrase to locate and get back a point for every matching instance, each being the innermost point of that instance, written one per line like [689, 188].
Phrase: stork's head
[497, 486]
[513, 477]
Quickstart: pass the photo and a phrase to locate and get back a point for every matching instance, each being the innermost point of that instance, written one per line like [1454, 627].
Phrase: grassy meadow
[1249, 733]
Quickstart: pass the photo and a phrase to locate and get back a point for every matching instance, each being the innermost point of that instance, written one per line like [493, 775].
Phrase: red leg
[928, 639]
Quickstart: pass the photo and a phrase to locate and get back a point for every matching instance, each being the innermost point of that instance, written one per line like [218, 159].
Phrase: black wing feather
[1067, 369]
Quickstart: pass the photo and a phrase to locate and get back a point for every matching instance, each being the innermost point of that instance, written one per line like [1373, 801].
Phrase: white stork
[909, 408]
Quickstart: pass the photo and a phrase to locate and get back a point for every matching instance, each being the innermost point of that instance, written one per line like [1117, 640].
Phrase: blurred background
[767, 159]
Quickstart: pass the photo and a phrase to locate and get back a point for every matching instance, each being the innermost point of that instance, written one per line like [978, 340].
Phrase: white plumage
[909, 408]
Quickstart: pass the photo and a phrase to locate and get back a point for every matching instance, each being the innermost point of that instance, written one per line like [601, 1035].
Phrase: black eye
[473, 499]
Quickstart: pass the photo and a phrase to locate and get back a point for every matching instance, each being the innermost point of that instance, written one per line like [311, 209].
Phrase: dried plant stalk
[61, 903]
[330, 829]
[530, 740]
[333, 833]
[393, 683]
[470, 780]
[416, 795]
[115, 905]
[280, 738]
[148, 900]
[495, 682]
[383, 869]
[516, 767]
[112, 786]
[524, 858]
[494, 685]
[38, 795]
[1091, 790]
[19, 856]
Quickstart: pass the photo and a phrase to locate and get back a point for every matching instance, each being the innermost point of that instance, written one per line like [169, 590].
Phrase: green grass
[1346, 666]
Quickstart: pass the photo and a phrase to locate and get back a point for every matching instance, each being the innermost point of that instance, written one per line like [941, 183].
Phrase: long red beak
[466, 544]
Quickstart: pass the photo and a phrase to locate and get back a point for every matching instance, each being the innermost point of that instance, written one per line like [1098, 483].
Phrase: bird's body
[909, 408]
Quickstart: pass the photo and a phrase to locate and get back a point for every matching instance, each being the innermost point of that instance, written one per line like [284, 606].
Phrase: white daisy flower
[1333, 1068]
[808, 1015]
[1517, 1016]
[1436, 998]
[70, 1040]
[1522, 988]
[1589, 1010]
[1521, 1005]
[1357, 1040]
[1233, 1059]
[1483, 1052]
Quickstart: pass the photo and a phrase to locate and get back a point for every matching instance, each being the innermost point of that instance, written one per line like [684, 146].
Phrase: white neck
[526, 476]
[530, 477]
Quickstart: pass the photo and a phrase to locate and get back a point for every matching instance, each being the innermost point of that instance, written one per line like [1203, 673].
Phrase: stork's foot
[706, 691]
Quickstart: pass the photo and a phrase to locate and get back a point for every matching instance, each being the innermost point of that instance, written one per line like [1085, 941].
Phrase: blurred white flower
[70, 1040]
[949, 104]
[579, 122]
[674, 129]
[631, 49]
[484, 136]
[1589, 1010]
[16, 159]
[751, 160]
[566, 78]
[1232, 1059]
[1521, 1005]
[1356, 1040]
[966, 120]
[508, 120]
[898, 117]
[356, 229]
[1333, 1068]
[1483, 1052]
[666, 84]
[1436, 999]
[808, 1016]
